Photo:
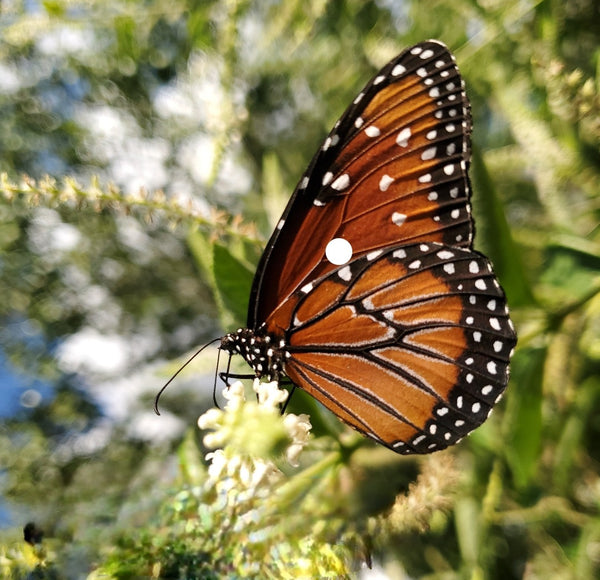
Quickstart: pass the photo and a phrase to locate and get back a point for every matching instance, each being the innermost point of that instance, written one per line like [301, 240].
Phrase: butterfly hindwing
[410, 345]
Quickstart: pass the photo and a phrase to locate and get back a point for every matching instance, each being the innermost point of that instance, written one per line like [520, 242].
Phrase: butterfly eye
[338, 251]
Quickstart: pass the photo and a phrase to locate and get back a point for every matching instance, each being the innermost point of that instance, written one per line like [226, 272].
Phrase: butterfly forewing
[415, 361]
[392, 171]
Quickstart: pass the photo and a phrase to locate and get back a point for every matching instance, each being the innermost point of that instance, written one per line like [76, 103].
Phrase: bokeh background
[146, 150]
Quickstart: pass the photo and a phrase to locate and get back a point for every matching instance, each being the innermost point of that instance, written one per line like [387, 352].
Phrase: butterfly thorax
[262, 352]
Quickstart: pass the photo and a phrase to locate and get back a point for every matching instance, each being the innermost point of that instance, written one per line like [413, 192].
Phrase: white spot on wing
[398, 218]
[428, 153]
[403, 137]
[385, 182]
[341, 183]
[345, 273]
[449, 268]
[372, 131]
[398, 70]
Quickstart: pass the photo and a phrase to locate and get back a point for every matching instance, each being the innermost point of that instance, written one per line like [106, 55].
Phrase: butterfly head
[264, 354]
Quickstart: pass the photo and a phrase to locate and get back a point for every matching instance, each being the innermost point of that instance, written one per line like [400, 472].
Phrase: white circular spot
[398, 70]
[372, 131]
[338, 251]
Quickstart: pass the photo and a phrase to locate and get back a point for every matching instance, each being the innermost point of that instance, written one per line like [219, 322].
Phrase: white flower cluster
[246, 424]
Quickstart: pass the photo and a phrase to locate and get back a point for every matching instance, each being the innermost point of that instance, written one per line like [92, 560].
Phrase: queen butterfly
[369, 295]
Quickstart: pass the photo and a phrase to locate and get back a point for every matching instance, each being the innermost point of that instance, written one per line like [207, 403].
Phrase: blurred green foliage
[214, 109]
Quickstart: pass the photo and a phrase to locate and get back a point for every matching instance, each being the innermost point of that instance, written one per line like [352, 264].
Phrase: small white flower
[214, 440]
[218, 463]
[235, 396]
[212, 419]
[298, 428]
[269, 394]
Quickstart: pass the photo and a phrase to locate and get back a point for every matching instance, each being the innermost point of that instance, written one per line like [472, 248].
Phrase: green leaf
[571, 438]
[494, 238]
[524, 414]
[234, 281]
[229, 275]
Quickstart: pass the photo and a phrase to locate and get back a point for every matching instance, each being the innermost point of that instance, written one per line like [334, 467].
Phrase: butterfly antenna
[179, 370]
[216, 375]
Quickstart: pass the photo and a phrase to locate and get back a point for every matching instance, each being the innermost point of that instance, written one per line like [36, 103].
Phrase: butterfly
[369, 295]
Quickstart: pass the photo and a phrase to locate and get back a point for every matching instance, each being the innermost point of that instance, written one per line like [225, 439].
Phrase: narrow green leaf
[468, 529]
[229, 276]
[494, 237]
[572, 434]
[233, 282]
[524, 414]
